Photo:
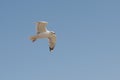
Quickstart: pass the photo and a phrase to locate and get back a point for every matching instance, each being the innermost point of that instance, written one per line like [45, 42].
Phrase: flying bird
[42, 32]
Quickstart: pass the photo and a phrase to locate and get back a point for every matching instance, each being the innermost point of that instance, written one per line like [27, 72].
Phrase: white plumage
[42, 32]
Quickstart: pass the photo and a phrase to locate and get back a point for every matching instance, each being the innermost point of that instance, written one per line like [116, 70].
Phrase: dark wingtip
[51, 49]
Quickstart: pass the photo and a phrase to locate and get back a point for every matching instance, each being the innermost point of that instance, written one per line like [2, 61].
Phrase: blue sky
[88, 40]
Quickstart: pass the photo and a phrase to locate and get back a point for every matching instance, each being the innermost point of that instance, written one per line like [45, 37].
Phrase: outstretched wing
[52, 42]
[41, 27]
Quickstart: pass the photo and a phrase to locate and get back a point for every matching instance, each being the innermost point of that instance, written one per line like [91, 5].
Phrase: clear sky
[88, 40]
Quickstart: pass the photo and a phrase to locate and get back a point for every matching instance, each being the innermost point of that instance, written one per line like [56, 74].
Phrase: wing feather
[41, 27]
[52, 42]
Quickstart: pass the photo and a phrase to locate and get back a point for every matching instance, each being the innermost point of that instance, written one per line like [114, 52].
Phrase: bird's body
[42, 32]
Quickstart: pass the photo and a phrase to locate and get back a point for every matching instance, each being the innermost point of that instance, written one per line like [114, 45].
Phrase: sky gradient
[88, 40]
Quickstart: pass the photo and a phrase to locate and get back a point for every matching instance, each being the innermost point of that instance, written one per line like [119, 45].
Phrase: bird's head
[33, 38]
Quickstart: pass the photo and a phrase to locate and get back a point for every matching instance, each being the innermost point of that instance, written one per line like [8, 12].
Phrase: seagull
[42, 32]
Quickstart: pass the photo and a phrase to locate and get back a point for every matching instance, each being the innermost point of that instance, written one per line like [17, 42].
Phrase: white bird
[42, 32]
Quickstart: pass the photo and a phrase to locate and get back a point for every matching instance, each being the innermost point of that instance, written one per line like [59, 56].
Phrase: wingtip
[51, 51]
